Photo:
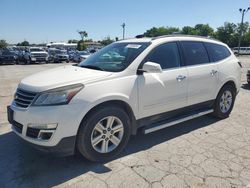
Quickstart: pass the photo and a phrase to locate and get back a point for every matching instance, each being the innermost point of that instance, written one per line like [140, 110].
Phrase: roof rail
[183, 35]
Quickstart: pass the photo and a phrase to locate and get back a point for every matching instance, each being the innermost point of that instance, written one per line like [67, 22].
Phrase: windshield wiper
[92, 67]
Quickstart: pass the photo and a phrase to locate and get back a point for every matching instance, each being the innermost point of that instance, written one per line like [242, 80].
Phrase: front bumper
[39, 59]
[65, 147]
[8, 60]
[61, 142]
[62, 58]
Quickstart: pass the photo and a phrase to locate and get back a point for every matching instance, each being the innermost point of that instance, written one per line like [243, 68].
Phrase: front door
[166, 91]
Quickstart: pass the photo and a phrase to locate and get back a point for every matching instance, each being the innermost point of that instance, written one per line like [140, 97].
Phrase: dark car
[71, 55]
[8, 57]
[248, 76]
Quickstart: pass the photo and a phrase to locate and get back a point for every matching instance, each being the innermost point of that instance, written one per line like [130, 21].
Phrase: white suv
[146, 83]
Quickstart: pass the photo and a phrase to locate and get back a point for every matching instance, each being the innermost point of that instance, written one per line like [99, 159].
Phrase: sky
[42, 21]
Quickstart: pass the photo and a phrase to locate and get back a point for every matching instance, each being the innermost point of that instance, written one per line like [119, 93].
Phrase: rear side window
[217, 52]
[194, 53]
[167, 55]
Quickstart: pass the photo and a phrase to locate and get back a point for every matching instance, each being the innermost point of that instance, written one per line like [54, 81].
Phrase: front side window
[115, 57]
[217, 52]
[167, 55]
[194, 52]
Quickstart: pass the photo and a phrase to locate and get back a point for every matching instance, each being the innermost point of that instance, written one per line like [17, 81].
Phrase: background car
[8, 57]
[58, 56]
[81, 56]
[71, 55]
[35, 54]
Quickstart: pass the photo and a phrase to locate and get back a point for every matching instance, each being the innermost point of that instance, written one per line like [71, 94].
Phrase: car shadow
[245, 86]
[22, 166]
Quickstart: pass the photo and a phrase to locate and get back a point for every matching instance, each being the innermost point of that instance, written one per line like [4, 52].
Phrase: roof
[171, 37]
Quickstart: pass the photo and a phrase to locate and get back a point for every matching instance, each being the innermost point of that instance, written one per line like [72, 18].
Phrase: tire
[87, 130]
[28, 61]
[223, 109]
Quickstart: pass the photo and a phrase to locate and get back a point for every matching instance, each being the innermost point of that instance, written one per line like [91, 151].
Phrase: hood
[61, 76]
[84, 56]
[39, 52]
[62, 55]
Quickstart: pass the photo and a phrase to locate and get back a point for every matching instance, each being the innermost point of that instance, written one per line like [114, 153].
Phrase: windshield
[115, 57]
[8, 52]
[61, 52]
[36, 50]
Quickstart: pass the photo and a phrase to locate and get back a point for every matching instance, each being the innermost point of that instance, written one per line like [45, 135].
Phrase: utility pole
[123, 30]
[243, 12]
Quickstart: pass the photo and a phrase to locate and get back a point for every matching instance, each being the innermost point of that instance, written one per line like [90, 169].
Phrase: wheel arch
[231, 83]
[118, 103]
[228, 82]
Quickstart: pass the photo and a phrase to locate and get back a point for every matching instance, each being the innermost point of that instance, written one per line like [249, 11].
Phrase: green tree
[155, 32]
[245, 30]
[24, 43]
[203, 30]
[228, 34]
[81, 45]
[3, 44]
[188, 30]
[246, 39]
[72, 41]
[83, 34]
[106, 41]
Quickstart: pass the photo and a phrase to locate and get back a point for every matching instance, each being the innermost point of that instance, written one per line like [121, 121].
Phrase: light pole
[243, 12]
[123, 30]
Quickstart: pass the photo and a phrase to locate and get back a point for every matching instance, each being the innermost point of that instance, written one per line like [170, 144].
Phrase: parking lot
[205, 152]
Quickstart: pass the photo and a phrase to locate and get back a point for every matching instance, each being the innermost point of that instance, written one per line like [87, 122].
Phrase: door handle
[180, 78]
[213, 72]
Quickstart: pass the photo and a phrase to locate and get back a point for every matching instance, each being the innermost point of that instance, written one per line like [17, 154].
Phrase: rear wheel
[224, 102]
[104, 134]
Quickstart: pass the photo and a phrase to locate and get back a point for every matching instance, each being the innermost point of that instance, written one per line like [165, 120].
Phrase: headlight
[58, 96]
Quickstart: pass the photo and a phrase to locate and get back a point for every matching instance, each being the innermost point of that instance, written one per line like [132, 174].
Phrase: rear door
[202, 74]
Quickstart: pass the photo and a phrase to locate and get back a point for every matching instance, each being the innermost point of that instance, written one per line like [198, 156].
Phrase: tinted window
[217, 52]
[167, 55]
[195, 53]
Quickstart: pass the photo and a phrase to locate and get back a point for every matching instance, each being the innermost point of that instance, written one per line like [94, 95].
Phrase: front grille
[24, 98]
[39, 55]
[18, 127]
[8, 58]
[33, 133]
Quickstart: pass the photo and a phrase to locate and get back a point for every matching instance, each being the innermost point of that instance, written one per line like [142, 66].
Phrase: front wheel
[224, 102]
[104, 134]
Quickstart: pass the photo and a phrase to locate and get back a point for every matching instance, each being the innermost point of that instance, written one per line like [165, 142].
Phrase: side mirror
[151, 67]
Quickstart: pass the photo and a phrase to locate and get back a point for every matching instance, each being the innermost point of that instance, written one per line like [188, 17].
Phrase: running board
[174, 122]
